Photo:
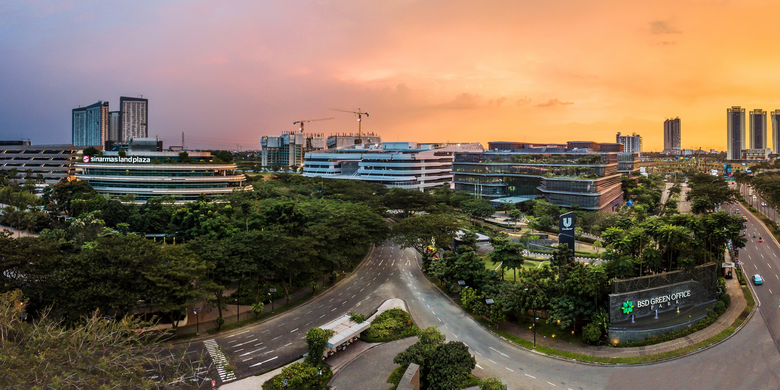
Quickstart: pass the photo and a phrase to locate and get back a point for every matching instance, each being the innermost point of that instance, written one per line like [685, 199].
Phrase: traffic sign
[196, 310]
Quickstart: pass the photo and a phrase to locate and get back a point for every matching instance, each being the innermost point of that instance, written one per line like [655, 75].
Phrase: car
[763, 204]
[760, 239]
[757, 280]
[754, 197]
[738, 212]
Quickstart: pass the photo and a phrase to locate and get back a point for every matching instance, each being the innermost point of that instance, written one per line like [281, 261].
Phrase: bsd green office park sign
[659, 304]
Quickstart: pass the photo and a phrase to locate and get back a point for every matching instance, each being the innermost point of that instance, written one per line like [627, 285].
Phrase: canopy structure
[345, 330]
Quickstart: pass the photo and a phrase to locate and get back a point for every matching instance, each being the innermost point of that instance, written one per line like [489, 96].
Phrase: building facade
[735, 132]
[758, 129]
[90, 125]
[114, 124]
[672, 136]
[395, 164]
[288, 149]
[45, 164]
[146, 175]
[774, 117]
[589, 180]
[133, 118]
[631, 143]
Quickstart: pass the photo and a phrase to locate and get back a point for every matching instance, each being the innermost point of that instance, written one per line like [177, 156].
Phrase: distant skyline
[227, 73]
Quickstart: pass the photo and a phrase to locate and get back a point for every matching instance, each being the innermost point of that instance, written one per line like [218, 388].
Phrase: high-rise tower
[758, 136]
[133, 118]
[774, 116]
[735, 132]
[90, 125]
[672, 136]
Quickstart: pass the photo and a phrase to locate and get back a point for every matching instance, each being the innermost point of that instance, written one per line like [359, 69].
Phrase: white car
[763, 204]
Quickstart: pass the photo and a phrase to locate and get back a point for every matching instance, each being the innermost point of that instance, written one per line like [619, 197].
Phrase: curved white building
[146, 177]
[394, 164]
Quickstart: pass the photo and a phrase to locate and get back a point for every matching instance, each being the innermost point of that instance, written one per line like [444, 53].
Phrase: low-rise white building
[395, 164]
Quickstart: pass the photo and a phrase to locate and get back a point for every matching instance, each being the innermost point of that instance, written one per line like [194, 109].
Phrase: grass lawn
[509, 274]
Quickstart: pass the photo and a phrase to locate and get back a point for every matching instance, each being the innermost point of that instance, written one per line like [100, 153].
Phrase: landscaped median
[583, 357]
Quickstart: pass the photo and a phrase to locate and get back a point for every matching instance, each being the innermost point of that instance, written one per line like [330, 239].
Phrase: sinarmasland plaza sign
[112, 159]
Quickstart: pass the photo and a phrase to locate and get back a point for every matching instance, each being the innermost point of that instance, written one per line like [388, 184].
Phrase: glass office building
[589, 180]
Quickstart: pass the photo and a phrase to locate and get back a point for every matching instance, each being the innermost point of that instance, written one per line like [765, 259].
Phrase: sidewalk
[738, 304]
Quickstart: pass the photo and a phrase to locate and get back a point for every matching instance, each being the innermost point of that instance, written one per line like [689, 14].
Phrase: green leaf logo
[628, 307]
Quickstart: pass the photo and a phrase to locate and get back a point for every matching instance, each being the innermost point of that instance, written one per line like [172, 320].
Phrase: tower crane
[310, 120]
[360, 117]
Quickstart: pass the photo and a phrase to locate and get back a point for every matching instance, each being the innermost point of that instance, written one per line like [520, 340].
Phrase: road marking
[445, 325]
[353, 296]
[257, 350]
[266, 361]
[503, 354]
[480, 367]
[432, 312]
[322, 316]
[778, 277]
[306, 324]
[265, 331]
[478, 353]
[380, 263]
[275, 338]
[334, 309]
[246, 342]
[308, 312]
[530, 376]
[514, 370]
[259, 344]
[429, 306]
[423, 299]
[238, 350]
[438, 319]
[491, 360]
[754, 266]
[232, 341]
[361, 290]
[296, 318]
[767, 264]
[286, 345]
[770, 290]
[292, 331]
[340, 294]
[551, 384]
[234, 335]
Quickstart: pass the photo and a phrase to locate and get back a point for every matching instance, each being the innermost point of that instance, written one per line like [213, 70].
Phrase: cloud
[663, 27]
[464, 101]
[497, 102]
[553, 103]
[523, 101]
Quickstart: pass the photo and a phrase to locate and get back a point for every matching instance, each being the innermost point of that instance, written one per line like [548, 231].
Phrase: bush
[726, 299]
[719, 307]
[390, 325]
[591, 333]
[300, 375]
[358, 318]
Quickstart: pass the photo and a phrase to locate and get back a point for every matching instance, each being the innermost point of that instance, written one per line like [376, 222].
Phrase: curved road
[750, 359]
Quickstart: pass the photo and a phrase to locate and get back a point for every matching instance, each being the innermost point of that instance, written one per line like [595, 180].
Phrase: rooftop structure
[345, 140]
[46, 164]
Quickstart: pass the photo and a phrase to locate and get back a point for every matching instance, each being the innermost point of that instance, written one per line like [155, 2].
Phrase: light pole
[197, 322]
[272, 290]
[534, 326]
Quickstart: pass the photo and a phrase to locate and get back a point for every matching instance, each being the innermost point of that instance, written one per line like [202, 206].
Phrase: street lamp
[534, 326]
[272, 290]
[238, 312]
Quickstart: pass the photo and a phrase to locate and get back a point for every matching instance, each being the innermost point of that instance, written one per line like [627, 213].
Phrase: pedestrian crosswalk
[219, 360]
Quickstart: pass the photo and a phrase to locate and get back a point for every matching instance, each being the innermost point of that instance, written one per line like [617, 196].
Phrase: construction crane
[360, 116]
[310, 120]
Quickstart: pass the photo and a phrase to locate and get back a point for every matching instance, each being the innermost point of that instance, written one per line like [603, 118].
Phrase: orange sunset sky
[227, 73]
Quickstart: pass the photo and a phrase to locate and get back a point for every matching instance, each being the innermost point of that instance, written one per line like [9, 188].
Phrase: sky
[228, 72]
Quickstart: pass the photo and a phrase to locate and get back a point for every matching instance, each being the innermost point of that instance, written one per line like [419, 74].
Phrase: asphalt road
[750, 359]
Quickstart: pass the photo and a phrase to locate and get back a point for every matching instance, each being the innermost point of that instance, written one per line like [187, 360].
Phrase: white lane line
[308, 312]
[265, 331]
[340, 294]
[514, 371]
[293, 331]
[232, 341]
[334, 309]
[307, 324]
[429, 306]
[445, 325]
[754, 266]
[767, 264]
[331, 300]
[258, 344]
[491, 360]
[275, 338]
[478, 353]
[502, 354]
[778, 277]
[286, 345]
[762, 255]
[257, 350]
[530, 376]
[238, 350]
[266, 361]
[432, 312]
[480, 367]
[353, 296]
[551, 384]
[322, 316]
[298, 317]
[770, 290]
[234, 335]
[246, 342]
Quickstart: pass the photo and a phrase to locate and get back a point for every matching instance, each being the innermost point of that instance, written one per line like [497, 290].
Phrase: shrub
[359, 318]
[300, 375]
[591, 333]
[726, 298]
[390, 325]
[719, 307]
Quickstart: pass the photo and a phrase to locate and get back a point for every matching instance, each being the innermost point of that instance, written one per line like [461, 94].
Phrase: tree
[491, 384]
[449, 366]
[184, 157]
[317, 339]
[477, 208]
[509, 254]
[408, 201]
[90, 151]
[94, 353]
[421, 231]
[419, 352]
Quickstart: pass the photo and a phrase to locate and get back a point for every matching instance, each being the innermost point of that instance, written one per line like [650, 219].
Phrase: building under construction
[289, 148]
[337, 141]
